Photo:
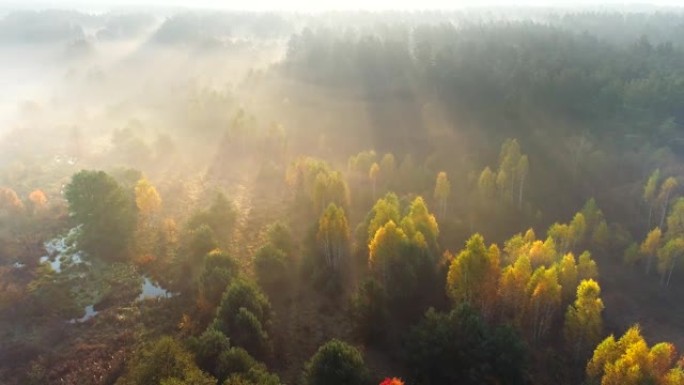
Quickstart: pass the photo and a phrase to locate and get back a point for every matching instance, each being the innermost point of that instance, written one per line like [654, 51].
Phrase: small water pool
[90, 312]
[152, 290]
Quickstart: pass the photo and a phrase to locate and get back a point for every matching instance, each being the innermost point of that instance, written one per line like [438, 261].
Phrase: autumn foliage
[392, 381]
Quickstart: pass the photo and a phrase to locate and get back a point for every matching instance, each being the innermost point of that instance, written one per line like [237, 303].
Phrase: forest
[477, 196]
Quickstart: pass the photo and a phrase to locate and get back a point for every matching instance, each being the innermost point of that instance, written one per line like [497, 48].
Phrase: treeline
[594, 116]
[506, 68]
[192, 28]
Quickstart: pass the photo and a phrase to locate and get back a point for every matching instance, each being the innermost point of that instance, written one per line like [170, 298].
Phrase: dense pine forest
[485, 196]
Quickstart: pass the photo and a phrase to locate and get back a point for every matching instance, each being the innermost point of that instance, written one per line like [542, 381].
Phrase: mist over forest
[475, 196]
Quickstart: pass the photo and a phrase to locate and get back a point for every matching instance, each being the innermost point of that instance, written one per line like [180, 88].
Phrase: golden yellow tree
[385, 209]
[424, 222]
[607, 351]
[629, 361]
[674, 376]
[542, 253]
[568, 276]
[675, 221]
[147, 198]
[333, 236]
[668, 256]
[666, 189]
[388, 243]
[544, 295]
[512, 288]
[649, 248]
[583, 320]
[518, 245]
[474, 275]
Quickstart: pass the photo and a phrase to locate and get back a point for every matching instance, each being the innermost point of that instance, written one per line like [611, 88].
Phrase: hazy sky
[316, 5]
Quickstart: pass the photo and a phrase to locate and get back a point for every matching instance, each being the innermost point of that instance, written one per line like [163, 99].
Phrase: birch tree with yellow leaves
[583, 319]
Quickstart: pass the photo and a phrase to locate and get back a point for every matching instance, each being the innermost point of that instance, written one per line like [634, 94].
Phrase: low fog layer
[307, 6]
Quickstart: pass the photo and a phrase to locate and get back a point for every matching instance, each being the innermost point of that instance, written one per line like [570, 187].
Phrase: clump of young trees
[663, 244]
[534, 291]
[316, 185]
[507, 181]
[402, 264]
[629, 360]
